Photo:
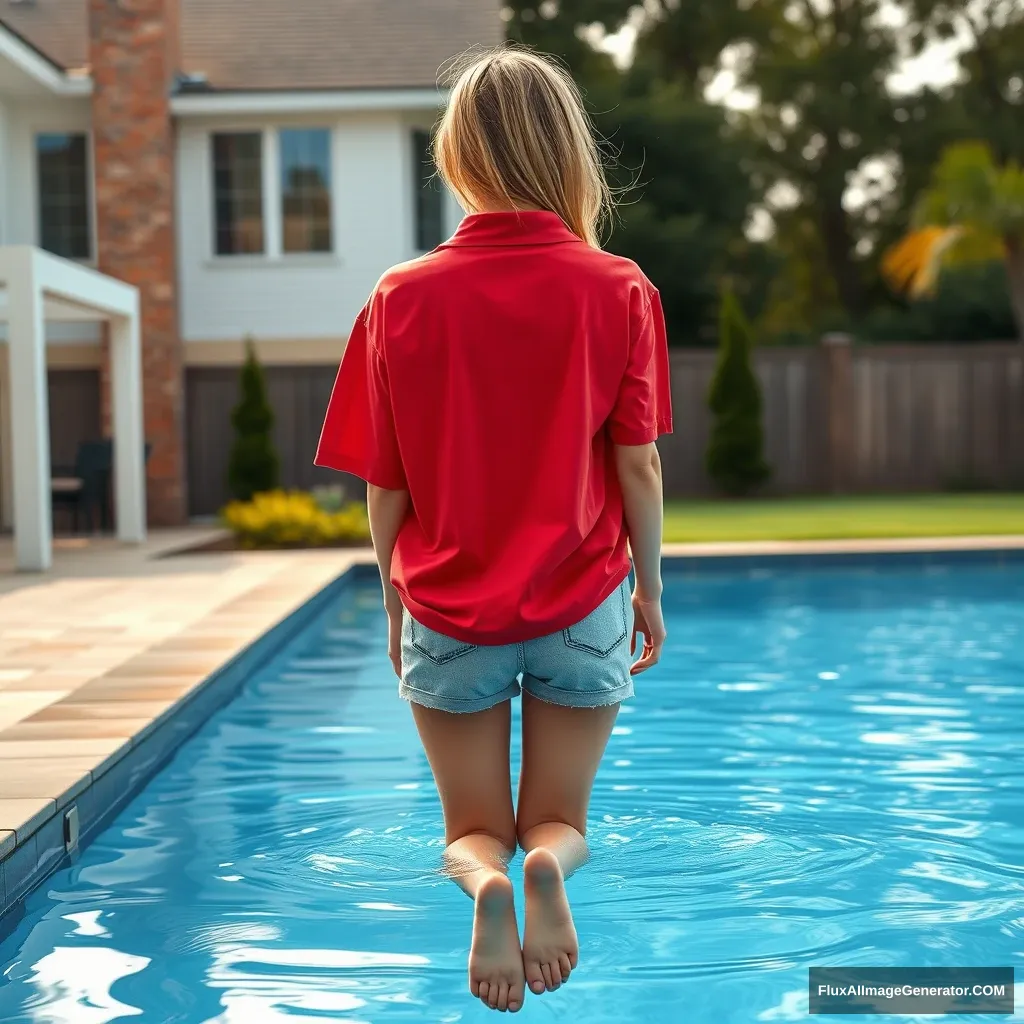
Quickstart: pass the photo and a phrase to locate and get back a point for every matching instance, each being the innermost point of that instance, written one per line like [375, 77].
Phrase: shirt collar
[522, 227]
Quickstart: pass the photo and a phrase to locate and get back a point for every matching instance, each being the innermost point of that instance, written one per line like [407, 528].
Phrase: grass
[840, 518]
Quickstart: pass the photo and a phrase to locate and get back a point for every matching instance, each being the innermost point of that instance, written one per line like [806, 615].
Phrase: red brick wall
[131, 44]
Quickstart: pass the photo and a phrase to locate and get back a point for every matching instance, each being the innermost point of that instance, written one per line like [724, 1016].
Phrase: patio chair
[83, 490]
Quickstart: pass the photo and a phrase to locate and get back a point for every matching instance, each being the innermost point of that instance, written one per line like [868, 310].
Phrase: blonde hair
[516, 134]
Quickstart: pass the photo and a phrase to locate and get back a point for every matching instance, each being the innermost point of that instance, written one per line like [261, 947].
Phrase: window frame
[211, 192]
[35, 132]
[273, 198]
[328, 133]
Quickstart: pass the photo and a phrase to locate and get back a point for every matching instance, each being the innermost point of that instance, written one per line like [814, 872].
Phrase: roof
[58, 29]
[298, 44]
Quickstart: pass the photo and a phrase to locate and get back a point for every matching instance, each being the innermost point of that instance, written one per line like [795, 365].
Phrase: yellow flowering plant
[294, 519]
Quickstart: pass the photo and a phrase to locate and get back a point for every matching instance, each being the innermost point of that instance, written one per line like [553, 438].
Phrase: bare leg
[562, 748]
[469, 756]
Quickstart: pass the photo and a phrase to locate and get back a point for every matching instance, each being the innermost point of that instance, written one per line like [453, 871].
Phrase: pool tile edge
[37, 847]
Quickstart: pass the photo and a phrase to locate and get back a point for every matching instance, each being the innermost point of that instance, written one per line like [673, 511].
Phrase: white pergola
[36, 287]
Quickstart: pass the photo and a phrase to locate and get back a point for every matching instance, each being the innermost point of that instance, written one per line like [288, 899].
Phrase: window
[238, 193]
[62, 168]
[305, 189]
[429, 194]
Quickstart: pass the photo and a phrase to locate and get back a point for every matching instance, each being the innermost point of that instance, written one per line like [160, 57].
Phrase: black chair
[83, 491]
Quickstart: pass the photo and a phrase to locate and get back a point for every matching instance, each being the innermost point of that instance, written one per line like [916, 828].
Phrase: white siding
[20, 121]
[26, 119]
[297, 296]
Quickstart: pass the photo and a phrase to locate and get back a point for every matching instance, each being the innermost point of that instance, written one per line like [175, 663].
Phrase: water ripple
[826, 770]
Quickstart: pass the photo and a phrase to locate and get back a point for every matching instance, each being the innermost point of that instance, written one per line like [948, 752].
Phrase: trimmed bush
[253, 466]
[293, 519]
[735, 455]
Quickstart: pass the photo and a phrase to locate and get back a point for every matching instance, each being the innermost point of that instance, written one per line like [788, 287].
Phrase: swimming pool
[826, 770]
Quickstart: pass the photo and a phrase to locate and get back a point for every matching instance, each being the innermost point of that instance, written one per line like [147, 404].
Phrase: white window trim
[273, 202]
[273, 229]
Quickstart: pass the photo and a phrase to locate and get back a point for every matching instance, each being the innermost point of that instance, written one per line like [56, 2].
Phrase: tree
[972, 211]
[679, 172]
[253, 466]
[990, 92]
[735, 455]
[822, 115]
[684, 199]
[559, 26]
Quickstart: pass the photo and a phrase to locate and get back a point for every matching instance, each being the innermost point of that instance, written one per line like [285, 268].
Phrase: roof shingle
[298, 44]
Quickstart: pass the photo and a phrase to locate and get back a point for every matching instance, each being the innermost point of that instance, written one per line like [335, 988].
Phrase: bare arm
[387, 510]
[639, 469]
[639, 472]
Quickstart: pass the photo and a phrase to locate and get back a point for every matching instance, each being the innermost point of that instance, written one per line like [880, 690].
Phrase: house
[252, 166]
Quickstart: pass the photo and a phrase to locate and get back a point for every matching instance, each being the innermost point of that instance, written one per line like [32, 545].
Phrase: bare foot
[495, 958]
[550, 947]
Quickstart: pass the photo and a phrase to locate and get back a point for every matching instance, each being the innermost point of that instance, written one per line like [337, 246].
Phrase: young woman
[502, 396]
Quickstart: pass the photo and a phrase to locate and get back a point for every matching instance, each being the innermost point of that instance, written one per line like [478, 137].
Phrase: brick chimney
[133, 48]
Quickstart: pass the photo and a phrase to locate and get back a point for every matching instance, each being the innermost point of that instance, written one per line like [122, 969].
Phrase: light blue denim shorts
[583, 666]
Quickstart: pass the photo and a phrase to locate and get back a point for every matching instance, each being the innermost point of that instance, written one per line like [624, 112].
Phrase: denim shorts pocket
[437, 647]
[603, 629]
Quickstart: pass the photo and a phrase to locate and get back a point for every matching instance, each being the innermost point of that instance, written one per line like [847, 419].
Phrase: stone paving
[92, 654]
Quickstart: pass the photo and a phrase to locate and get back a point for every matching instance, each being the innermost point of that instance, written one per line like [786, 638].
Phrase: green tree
[988, 98]
[679, 171]
[684, 200]
[972, 211]
[559, 27]
[822, 115]
[842, 152]
[253, 466]
[735, 455]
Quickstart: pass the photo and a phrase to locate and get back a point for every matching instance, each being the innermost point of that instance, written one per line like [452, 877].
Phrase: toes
[534, 977]
[503, 996]
[552, 979]
[474, 987]
[563, 963]
[483, 991]
[515, 999]
[556, 975]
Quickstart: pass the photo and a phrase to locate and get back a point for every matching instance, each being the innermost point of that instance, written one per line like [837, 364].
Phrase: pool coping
[92, 790]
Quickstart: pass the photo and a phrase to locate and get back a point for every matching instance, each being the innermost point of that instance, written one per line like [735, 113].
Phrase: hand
[647, 619]
[393, 606]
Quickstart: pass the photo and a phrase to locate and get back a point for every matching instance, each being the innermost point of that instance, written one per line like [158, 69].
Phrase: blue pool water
[827, 769]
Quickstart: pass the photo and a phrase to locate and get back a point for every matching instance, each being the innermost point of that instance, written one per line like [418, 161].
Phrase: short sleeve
[643, 407]
[359, 435]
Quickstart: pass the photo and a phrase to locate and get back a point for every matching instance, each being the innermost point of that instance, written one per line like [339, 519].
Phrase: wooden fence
[299, 397]
[863, 419]
[837, 418]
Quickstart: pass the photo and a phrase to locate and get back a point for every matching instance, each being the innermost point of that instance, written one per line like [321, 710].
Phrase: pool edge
[119, 777]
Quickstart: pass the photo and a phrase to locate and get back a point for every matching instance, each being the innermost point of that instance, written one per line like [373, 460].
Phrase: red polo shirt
[491, 378]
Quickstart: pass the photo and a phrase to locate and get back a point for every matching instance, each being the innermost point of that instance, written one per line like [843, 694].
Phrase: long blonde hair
[516, 134]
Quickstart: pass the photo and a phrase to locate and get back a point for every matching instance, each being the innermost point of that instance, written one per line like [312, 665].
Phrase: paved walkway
[93, 652]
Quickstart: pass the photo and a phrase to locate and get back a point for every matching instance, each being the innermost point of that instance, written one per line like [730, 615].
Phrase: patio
[109, 643]
[35, 288]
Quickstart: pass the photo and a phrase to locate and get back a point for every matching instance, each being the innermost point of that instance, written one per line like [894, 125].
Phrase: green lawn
[925, 515]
